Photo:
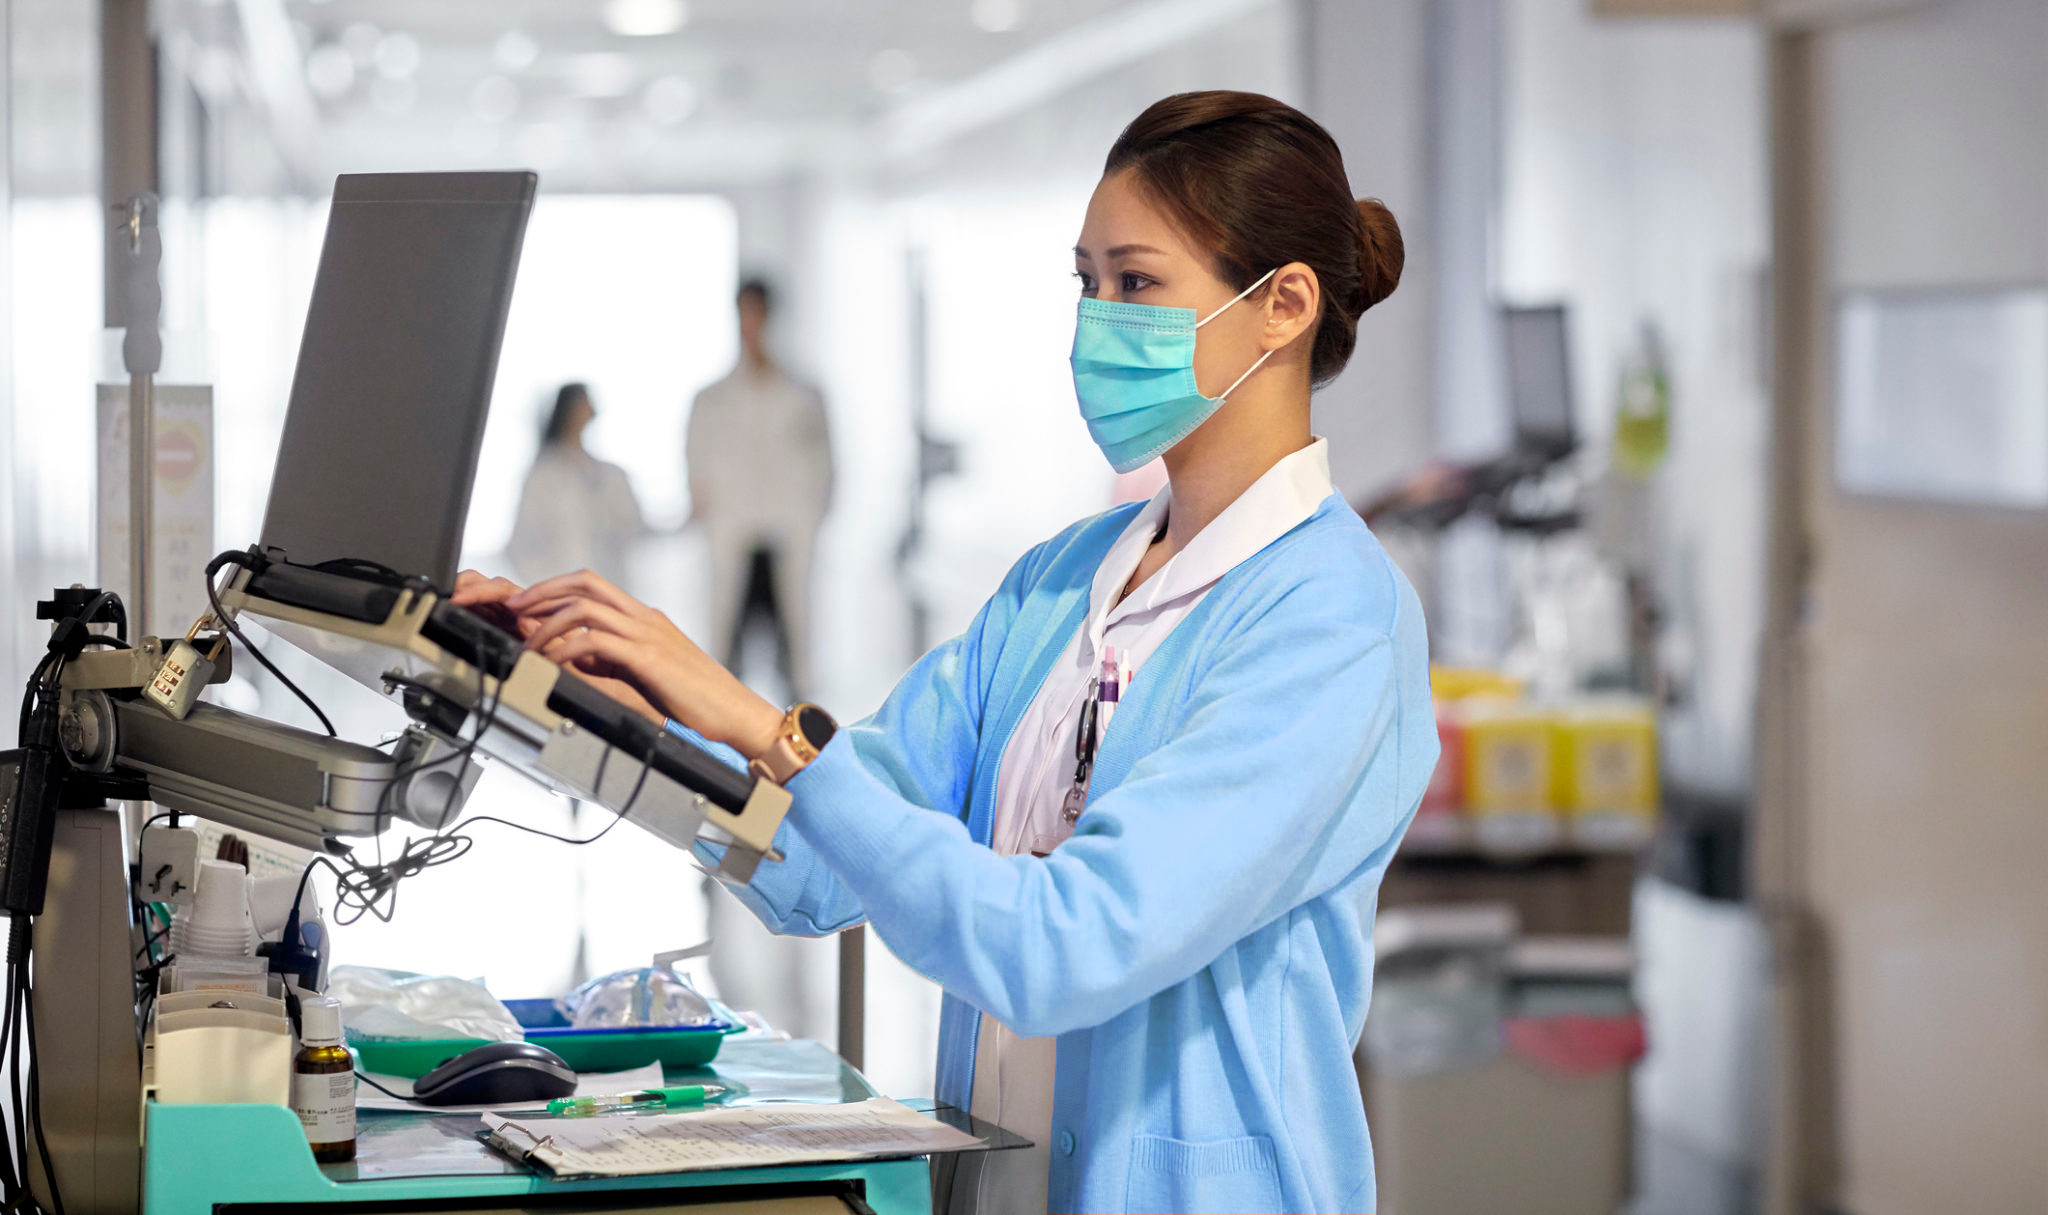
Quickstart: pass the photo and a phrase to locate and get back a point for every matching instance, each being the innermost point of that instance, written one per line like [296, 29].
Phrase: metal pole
[853, 1000]
[140, 299]
[141, 496]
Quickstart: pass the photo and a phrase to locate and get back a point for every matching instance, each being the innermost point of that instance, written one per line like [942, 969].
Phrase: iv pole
[142, 351]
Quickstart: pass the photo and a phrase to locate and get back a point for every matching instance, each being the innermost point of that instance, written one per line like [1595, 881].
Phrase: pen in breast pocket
[1108, 689]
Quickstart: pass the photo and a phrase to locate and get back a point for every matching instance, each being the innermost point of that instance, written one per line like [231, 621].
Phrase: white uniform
[760, 461]
[1012, 1075]
[576, 512]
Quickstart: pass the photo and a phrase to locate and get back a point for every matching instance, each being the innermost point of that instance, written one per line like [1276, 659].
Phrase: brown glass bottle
[324, 1082]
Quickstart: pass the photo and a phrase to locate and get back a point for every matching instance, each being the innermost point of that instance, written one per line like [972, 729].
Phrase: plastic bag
[649, 996]
[395, 1004]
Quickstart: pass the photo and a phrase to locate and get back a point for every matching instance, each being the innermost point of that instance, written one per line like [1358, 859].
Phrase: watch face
[817, 725]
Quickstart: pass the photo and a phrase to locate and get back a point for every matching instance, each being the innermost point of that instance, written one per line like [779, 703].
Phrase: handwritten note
[744, 1137]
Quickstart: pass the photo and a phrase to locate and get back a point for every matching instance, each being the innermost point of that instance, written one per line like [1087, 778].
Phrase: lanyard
[1084, 758]
[1104, 689]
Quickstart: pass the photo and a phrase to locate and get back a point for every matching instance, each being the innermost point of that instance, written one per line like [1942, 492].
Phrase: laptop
[371, 489]
[394, 376]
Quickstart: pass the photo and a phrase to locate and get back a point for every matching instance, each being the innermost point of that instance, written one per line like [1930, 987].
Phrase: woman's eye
[1133, 281]
[1087, 283]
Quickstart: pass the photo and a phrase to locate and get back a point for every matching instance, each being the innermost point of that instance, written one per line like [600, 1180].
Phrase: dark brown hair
[1259, 184]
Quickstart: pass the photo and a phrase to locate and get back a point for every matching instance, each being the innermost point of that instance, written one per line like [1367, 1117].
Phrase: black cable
[152, 821]
[213, 569]
[15, 1187]
[364, 1077]
[373, 889]
[15, 971]
[35, 1103]
[646, 766]
[31, 692]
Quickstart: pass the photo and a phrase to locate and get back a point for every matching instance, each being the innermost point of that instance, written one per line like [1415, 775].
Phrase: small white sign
[183, 522]
[1944, 395]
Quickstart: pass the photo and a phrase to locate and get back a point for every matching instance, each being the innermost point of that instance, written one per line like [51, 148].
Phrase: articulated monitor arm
[497, 699]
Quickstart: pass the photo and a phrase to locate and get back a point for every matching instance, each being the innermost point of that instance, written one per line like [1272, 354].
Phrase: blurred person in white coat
[576, 511]
[760, 463]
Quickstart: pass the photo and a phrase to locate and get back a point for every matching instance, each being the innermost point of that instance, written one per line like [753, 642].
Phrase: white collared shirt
[1013, 1076]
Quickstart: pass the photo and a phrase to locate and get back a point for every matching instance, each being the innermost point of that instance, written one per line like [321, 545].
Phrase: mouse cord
[387, 1092]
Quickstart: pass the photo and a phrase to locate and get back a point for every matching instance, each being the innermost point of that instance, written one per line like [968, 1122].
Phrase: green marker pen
[628, 1103]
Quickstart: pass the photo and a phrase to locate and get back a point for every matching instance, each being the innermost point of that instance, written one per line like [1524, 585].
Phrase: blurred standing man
[760, 463]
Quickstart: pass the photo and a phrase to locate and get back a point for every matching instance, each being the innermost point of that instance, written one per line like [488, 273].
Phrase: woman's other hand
[486, 597]
[490, 597]
[585, 622]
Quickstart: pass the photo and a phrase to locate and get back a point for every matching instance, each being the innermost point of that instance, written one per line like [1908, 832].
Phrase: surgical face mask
[1134, 372]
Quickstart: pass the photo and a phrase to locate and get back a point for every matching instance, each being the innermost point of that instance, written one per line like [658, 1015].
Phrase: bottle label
[326, 1105]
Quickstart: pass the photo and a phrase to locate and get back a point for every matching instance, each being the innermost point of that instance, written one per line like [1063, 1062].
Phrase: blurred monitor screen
[394, 375]
[1539, 380]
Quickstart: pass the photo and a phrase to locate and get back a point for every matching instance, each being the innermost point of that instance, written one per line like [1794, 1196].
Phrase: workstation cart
[254, 1159]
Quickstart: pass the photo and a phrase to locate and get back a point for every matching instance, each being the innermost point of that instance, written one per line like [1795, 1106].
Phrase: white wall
[1368, 83]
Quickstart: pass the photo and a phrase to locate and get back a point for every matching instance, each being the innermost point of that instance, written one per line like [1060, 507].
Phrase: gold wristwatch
[804, 731]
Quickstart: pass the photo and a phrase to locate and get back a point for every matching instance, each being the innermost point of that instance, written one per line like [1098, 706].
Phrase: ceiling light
[997, 16]
[330, 70]
[600, 74]
[515, 50]
[669, 99]
[397, 56]
[892, 70]
[393, 98]
[494, 99]
[644, 18]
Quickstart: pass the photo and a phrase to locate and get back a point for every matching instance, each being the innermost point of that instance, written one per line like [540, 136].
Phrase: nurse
[1134, 819]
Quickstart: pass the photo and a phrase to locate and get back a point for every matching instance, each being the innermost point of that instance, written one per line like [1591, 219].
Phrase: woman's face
[580, 416]
[1131, 252]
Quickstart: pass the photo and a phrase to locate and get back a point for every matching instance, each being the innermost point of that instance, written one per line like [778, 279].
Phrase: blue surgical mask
[1134, 373]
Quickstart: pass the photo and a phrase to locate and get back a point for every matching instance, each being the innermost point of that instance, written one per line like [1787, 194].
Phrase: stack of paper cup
[217, 923]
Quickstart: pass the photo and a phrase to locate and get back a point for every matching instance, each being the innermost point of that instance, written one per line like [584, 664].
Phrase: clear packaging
[397, 1005]
[649, 996]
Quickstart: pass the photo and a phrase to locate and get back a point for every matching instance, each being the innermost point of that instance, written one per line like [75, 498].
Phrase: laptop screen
[394, 376]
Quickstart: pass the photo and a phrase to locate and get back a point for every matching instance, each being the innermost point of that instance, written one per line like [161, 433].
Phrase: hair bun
[1380, 252]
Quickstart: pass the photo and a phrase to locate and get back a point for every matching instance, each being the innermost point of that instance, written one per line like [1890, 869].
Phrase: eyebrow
[1122, 251]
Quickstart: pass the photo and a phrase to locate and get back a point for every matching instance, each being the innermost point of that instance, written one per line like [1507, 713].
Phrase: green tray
[586, 1050]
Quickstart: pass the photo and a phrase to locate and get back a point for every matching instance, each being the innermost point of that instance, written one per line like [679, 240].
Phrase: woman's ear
[1293, 303]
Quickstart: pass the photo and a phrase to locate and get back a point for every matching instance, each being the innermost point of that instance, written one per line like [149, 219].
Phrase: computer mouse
[499, 1072]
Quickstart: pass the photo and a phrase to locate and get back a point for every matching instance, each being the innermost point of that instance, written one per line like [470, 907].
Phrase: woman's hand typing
[631, 651]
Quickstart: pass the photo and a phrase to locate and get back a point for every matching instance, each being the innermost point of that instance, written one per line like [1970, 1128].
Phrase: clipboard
[757, 1136]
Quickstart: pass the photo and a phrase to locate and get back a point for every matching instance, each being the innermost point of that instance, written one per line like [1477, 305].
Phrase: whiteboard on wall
[1943, 395]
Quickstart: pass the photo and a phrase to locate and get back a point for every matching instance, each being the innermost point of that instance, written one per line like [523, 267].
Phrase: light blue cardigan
[1202, 946]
